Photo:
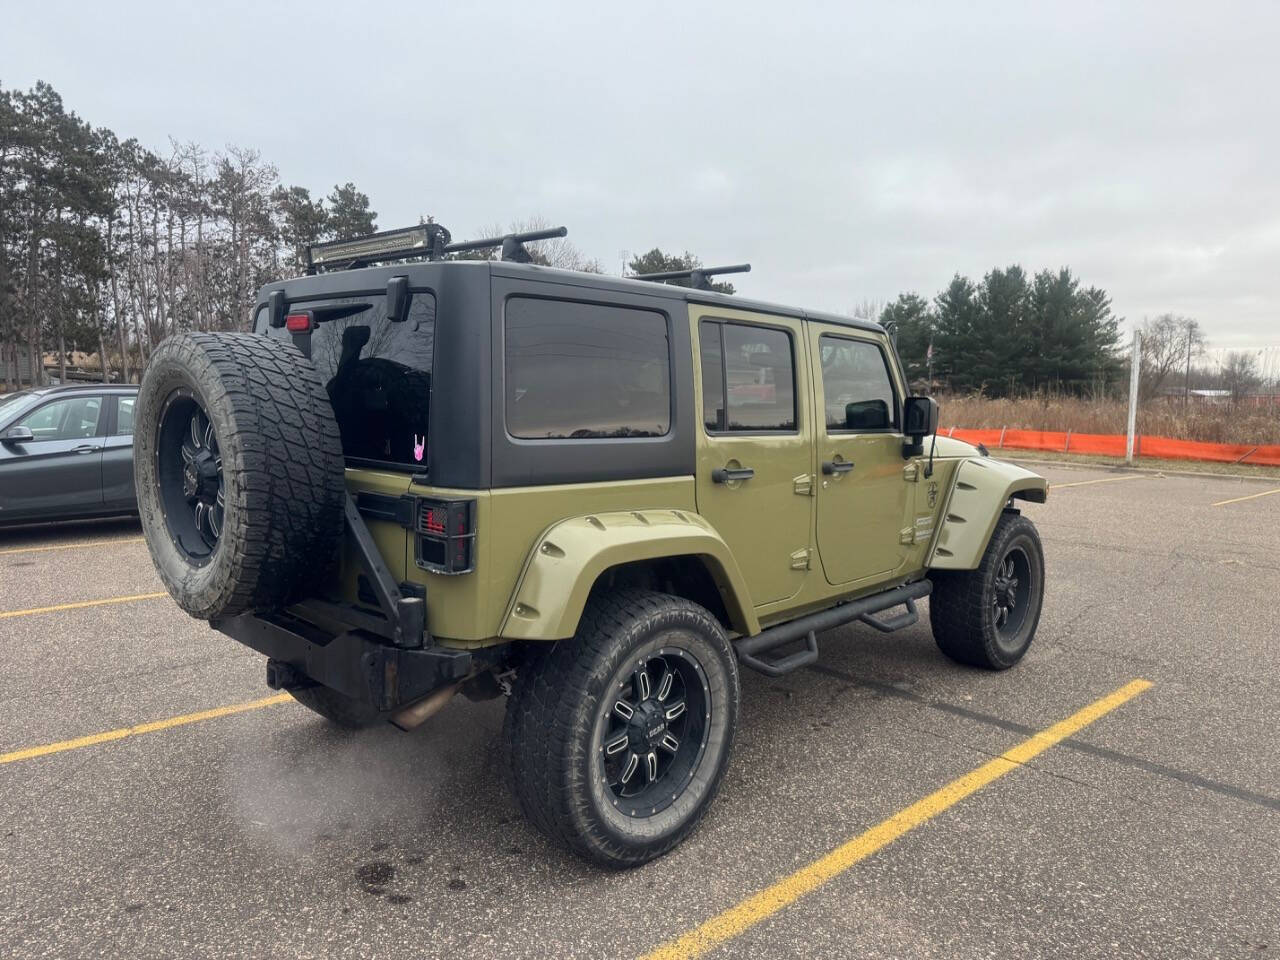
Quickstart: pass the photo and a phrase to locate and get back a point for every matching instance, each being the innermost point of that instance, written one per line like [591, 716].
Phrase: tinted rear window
[581, 370]
[377, 374]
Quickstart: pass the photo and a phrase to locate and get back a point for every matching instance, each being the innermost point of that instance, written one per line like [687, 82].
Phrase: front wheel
[988, 617]
[618, 737]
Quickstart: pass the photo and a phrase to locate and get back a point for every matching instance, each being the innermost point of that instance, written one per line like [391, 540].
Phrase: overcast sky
[850, 152]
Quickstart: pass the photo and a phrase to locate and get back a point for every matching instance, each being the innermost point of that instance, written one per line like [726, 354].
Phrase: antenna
[697, 276]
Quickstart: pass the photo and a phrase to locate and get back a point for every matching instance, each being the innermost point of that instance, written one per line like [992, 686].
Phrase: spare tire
[238, 465]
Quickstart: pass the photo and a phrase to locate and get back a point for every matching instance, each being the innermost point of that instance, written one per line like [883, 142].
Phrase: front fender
[979, 492]
[570, 555]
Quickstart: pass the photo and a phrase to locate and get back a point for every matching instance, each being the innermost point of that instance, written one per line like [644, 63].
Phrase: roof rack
[698, 276]
[429, 240]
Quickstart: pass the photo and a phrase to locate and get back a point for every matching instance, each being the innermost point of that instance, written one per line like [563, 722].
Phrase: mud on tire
[251, 509]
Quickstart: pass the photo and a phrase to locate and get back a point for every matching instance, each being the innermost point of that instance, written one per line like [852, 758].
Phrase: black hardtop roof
[372, 280]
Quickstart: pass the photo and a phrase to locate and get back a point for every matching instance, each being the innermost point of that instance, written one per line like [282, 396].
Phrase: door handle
[835, 467]
[728, 474]
[85, 448]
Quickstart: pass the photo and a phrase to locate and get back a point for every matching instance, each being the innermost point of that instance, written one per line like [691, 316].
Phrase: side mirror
[866, 415]
[919, 420]
[18, 435]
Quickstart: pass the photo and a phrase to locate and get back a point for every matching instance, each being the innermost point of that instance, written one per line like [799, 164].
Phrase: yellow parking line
[1085, 483]
[79, 604]
[1252, 496]
[788, 890]
[70, 546]
[152, 727]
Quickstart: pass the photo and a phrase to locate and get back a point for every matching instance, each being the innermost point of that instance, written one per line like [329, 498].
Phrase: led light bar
[388, 244]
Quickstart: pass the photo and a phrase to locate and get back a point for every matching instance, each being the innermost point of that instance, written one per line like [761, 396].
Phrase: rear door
[755, 445]
[862, 484]
[59, 471]
[117, 455]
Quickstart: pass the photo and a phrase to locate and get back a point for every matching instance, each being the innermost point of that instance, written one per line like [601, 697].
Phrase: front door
[59, 471]
[862, 487]
[755, 445]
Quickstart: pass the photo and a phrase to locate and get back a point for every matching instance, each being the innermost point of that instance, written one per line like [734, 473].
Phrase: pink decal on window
[419, 446]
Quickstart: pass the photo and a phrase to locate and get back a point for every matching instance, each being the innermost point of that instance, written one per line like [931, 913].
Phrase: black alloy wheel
[189, 470]
[655, 732]
[1011, 593]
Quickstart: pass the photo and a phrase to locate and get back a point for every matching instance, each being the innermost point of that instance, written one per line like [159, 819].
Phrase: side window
[124, 416]
[584, 370]
[856, 387]
[74, 418]
[748, 378]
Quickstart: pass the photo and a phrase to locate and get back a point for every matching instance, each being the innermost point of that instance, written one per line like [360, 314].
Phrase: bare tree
[1240, 374]
[1166, 342]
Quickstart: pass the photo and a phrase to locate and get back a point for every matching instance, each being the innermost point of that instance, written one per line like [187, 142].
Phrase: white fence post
[1135, 364]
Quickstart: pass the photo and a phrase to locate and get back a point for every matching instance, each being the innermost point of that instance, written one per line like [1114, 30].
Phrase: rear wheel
[619, 737]
[988, 617]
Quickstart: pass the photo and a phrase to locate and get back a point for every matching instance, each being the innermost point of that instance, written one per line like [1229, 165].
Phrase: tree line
[108, 246]
[1010, 333]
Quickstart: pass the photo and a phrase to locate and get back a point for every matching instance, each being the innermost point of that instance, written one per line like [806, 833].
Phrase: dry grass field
[1164, 417]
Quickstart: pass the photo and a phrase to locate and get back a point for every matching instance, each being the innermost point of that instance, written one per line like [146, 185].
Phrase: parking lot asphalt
[1153, 830]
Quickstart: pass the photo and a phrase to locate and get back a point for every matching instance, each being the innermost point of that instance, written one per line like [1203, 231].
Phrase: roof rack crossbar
[512, 244]
[698, 276]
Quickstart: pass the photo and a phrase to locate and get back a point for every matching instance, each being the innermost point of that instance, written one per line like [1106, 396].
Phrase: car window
[748, 378]
[124, 416]
[72, 418]
[376, 371]
[856, 389]
[585, 370]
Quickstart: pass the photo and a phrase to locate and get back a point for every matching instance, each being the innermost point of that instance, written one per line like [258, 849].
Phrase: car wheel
[988, 617]
[618, 738]
[239, 472]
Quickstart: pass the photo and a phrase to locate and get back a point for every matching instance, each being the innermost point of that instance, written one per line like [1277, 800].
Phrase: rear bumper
[354, 663]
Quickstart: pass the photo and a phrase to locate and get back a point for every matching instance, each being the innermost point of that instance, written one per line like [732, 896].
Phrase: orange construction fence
[1113, 445]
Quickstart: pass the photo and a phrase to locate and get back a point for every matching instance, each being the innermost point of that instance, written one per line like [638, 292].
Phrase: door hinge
[800, 559]
[911, 472]
[803, 485]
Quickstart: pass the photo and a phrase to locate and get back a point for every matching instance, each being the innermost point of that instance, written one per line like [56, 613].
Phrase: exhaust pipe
[414, 715]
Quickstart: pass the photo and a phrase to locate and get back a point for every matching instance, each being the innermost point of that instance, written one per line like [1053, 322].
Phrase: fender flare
[570, 555]
[979, 492]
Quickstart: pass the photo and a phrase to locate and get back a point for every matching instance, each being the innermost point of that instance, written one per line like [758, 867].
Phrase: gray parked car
[66, 452]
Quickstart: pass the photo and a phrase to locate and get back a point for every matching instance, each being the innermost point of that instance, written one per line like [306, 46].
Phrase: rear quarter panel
[469, 609]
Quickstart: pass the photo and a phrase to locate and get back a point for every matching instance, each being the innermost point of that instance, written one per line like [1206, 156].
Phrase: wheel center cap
[200, 477]
[649, 724]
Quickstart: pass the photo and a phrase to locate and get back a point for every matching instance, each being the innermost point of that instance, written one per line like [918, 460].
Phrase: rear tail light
[298, 322]
[446, 535]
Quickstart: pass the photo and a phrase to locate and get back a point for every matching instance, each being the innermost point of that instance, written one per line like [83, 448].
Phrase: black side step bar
[749, 649]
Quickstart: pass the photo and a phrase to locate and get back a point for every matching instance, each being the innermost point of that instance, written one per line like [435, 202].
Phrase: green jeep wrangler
[420, 475]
